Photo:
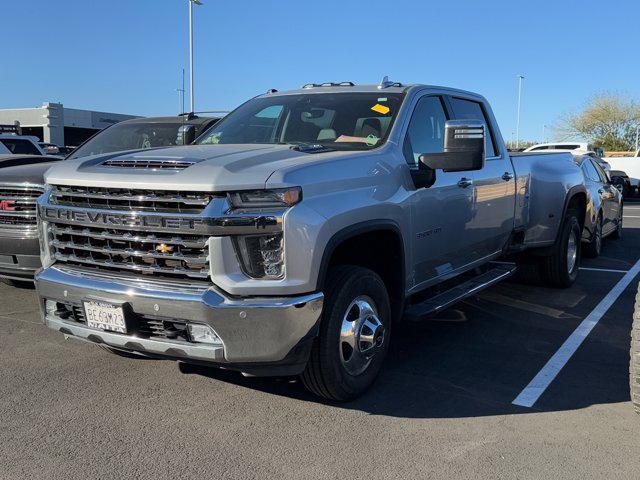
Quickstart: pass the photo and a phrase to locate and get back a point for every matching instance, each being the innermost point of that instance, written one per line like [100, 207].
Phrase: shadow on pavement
[474, 359]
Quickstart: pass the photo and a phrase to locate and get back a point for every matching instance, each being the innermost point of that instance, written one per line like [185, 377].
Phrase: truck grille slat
[124, 248]
[131, 200]
[148, 269]
[60, 245]
[139, 237]
[18, 206]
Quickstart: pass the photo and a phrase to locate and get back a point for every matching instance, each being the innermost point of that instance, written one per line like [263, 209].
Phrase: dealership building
[57, 124]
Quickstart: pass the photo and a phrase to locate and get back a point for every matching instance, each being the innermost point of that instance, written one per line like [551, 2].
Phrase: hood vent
[150, 163]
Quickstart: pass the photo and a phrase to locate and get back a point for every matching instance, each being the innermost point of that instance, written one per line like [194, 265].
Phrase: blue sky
[126, 55]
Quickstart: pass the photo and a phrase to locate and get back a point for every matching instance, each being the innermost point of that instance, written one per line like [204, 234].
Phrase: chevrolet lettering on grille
[87, 217]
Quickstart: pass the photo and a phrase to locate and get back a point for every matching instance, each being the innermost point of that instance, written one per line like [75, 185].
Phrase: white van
[577, 148]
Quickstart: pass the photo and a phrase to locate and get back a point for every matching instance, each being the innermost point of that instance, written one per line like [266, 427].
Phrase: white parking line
[592, 269]
[543, 379]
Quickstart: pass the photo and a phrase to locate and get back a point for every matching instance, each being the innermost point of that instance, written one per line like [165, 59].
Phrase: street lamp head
[197, 2]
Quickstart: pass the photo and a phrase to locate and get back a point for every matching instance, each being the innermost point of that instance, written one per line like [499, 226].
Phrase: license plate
[104, 316]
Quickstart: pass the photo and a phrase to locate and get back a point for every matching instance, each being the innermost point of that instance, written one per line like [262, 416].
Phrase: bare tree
[609, 120]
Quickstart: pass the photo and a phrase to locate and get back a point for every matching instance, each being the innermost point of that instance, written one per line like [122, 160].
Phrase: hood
[13, 160]
[212, 167]
[26, 173]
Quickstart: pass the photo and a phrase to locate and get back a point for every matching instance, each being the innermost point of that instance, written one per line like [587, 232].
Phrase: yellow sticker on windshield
[383, 109]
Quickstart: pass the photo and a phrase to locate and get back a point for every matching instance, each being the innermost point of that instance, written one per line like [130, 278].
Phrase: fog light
[199, 333]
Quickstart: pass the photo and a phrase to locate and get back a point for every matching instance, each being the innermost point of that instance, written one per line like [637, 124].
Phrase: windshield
[345, 121]
[130, 136]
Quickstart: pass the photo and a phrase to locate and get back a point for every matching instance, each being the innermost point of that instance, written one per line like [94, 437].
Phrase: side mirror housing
[464, 148]
[186, 135]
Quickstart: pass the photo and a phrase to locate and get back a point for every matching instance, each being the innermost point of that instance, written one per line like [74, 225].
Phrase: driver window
[426, 130]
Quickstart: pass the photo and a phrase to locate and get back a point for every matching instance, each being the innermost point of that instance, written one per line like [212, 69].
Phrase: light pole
[181, 92]
[191, 2]
[520, 79]
[544, 138]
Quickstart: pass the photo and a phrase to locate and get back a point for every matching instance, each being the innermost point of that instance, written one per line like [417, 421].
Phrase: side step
[445, 299]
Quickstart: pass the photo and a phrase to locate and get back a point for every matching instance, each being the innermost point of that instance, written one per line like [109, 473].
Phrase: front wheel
[354, 335]
[560, 269]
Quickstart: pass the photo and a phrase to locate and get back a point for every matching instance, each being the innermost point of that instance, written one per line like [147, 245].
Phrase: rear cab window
[20, 146]
[464, 109]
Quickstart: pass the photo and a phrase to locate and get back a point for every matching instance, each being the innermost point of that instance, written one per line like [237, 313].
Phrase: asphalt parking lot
[442, 408]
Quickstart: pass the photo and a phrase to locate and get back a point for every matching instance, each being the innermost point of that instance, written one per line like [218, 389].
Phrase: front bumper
[256, 333]
[19, 256]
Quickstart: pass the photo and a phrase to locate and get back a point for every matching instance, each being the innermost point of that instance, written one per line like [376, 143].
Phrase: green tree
[608, 120]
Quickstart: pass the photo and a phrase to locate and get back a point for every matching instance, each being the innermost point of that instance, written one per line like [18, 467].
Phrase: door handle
[507, 176]
[465, 182]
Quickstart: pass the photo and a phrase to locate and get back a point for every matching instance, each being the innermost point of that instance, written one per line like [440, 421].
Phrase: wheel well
[379, 250]
[579, 202]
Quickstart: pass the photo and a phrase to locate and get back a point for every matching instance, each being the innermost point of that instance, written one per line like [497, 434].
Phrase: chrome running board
[445, 299]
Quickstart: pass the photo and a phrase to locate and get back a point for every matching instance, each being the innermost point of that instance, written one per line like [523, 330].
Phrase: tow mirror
[186, 135]
[464, 148]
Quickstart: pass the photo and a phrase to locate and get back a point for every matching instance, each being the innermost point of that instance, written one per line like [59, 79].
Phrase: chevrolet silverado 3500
[298, 229]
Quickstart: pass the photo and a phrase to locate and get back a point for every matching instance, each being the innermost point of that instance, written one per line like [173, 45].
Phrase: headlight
[261, 256]
[278, 198]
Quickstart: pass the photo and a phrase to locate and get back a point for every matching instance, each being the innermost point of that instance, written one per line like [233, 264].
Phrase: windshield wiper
[308, 147]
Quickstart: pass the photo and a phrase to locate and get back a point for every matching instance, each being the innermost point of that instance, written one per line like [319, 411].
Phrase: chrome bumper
[253, 330]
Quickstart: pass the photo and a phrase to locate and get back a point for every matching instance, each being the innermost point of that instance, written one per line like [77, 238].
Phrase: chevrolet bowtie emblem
[164, 248]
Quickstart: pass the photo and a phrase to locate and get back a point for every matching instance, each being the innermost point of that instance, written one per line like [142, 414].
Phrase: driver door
[442, 212]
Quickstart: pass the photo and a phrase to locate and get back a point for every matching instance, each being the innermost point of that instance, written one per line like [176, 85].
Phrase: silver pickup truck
[298, 229]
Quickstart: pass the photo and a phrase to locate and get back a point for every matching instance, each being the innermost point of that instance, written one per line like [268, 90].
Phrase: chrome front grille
[146, 253]
[146, 249]
[128, 200]
[18, 206]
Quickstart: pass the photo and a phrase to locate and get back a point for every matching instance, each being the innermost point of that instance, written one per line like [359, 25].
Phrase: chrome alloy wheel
[599, 236]
[361, 336]
[572, 252]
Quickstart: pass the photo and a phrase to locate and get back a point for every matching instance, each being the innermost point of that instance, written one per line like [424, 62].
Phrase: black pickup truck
[21, 181]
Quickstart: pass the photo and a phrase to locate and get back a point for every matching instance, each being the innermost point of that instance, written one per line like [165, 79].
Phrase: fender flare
[573, 191]
[352, 231]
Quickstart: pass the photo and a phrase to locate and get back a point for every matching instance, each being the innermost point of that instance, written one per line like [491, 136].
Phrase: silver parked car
[604, 206]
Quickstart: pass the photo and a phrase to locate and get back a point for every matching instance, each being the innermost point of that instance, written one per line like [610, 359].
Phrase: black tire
[554, 269]
[634, 363]
[594, 247]
[326, 373]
